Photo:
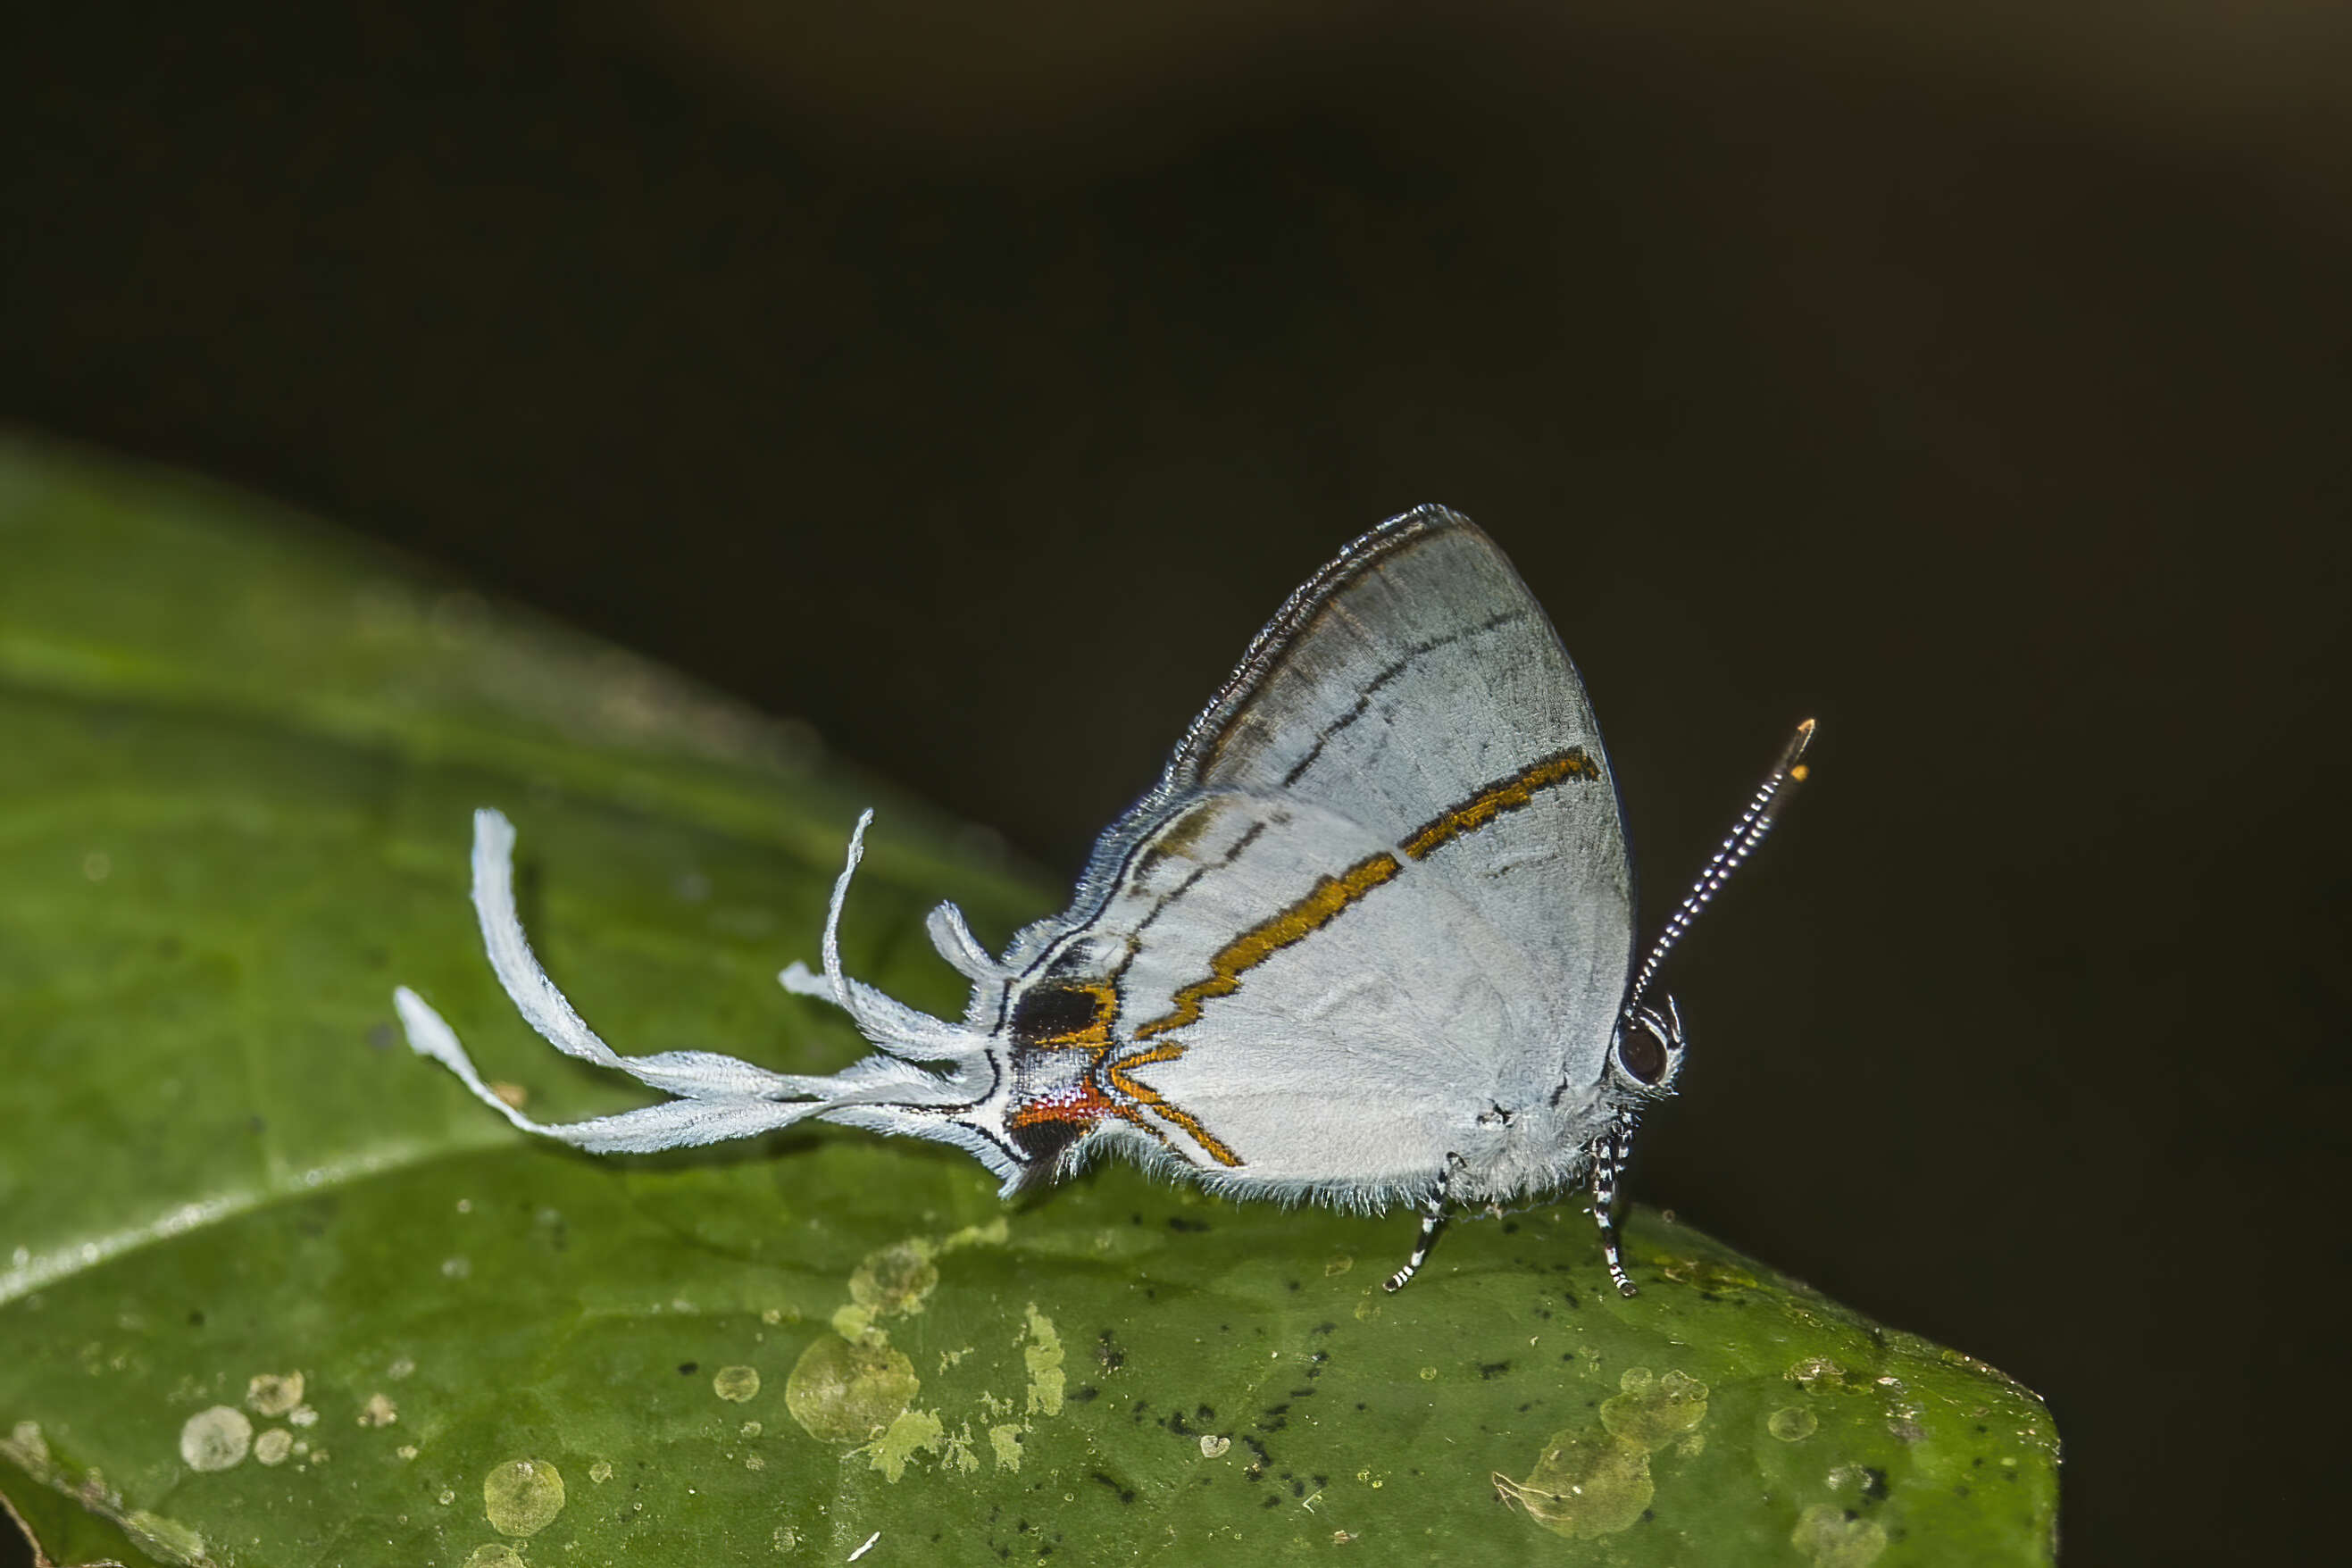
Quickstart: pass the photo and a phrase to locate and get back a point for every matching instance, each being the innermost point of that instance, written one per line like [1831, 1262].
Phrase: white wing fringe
[716, 1097]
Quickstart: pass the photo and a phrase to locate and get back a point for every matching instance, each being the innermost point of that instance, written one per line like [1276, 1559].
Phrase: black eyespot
[1043, 1142]
[1640, 1055]
[1059, 1012]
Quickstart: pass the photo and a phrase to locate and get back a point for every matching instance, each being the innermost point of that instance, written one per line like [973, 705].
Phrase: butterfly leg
[1609, 1156]
[1433, 1220]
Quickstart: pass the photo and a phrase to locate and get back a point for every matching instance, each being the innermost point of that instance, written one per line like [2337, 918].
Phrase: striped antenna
[1754, 823]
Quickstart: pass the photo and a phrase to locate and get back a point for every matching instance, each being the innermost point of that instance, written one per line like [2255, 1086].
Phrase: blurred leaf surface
[240, 757]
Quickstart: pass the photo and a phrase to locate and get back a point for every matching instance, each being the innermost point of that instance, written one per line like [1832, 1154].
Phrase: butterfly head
[1648, 1051]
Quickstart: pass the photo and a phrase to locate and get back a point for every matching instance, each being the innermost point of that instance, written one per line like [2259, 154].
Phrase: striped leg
[1609, 1156]
[1433, 1220]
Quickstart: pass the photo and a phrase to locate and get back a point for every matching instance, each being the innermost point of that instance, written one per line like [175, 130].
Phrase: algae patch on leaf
[1588, 1483]
[736, 1384]
[1042, 1356]
[853, 1387]
[273, 1394]
[215, 1439]
[845, 1393]
[1830, 1538]
[896, 1278]
[1584, 1484]
[522, 1497]
[1649, 1411]
[1006, 1443]
[913, 1432]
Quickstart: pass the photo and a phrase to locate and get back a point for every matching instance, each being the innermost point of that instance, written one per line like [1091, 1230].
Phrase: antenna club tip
[1800, 773]
[1794, 750]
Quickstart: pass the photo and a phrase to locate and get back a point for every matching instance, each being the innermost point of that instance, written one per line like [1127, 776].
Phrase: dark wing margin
[1277, 639]
[1266, 653]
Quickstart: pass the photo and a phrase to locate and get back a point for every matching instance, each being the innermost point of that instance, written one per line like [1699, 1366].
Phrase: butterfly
[1369, 941]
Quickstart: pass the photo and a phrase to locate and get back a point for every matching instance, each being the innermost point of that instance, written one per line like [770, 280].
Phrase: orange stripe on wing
[1504, 794]
[1323, 904]
[1143, 1093]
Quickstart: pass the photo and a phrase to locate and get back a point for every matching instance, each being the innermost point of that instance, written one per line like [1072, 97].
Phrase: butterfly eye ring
[1649, 1049]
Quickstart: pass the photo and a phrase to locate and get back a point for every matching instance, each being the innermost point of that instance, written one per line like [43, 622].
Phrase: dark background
[973, 381]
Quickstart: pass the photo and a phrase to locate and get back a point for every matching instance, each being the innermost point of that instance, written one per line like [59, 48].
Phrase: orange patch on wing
[1083, 1104]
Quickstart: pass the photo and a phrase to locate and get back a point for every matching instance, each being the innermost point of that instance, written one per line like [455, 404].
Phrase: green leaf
[276, 1291]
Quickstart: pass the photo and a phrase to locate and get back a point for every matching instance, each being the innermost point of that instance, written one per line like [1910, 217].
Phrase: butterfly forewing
[1416, 686]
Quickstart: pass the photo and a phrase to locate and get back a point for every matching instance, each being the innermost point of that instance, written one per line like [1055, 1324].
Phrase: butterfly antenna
[1763, 810]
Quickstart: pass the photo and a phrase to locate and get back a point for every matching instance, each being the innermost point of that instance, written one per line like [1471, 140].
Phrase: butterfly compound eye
[1640, 1053]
